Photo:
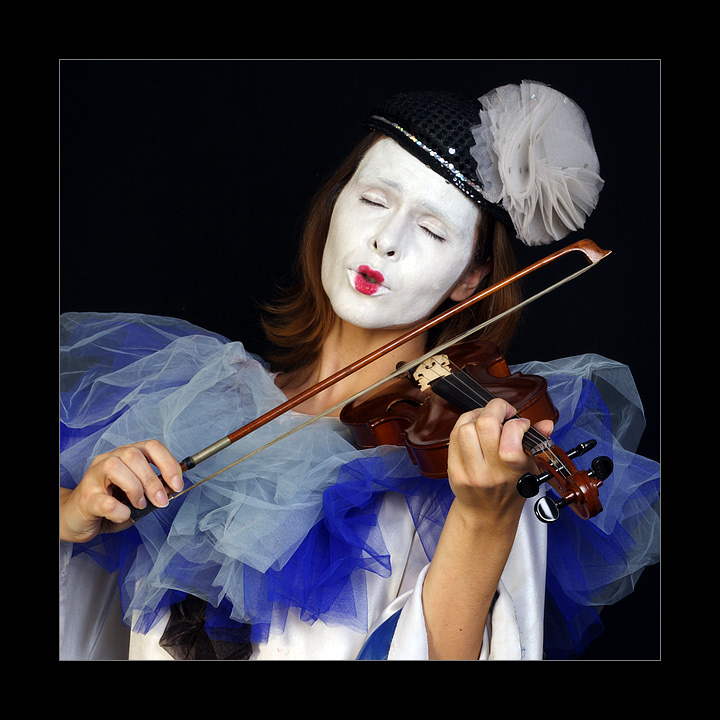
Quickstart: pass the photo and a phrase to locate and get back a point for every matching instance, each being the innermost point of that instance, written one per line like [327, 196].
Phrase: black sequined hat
[435, 127]
[524, 152]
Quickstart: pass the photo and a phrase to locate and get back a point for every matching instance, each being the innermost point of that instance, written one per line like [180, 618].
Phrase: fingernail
[176, 483]
[161, 498]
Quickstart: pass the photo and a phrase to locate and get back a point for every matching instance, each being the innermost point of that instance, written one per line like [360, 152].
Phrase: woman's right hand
[90, 508]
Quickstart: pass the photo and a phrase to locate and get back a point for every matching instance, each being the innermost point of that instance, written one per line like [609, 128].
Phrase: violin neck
[465, 393]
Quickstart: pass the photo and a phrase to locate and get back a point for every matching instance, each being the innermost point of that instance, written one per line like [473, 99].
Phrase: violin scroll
[576, 488]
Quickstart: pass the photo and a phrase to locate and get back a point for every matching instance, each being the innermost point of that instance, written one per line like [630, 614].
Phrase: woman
[401, 230]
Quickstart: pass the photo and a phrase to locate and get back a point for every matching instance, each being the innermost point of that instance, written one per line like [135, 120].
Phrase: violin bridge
[431, 369]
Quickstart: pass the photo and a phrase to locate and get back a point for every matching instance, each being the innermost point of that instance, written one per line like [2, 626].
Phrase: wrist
[497, 518]
[75, 526]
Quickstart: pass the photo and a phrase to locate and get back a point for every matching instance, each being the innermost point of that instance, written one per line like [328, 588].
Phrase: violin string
[532, 439]
[480, 396]
[477, 394]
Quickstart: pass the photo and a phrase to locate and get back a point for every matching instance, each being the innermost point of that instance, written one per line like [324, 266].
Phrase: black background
[183, 185]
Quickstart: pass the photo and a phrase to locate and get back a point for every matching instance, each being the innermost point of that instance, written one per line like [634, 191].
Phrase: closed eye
[374, 203]
[433, 235]
[371, 202]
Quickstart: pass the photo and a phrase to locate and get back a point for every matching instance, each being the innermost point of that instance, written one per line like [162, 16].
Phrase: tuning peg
[548, 510]
[529, 485]
[581, 449]
[601, 466]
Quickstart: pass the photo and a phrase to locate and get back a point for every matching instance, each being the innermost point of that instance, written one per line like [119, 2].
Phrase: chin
[362, 321]
[354, 314]
[371, 320]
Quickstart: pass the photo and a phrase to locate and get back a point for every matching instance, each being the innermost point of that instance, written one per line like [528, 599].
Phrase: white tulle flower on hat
[536, 158]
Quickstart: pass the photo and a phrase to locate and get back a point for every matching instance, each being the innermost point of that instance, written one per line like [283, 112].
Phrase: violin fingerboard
[462, 391]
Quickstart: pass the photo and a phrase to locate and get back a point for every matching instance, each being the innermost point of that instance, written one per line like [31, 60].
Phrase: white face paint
[400, 239]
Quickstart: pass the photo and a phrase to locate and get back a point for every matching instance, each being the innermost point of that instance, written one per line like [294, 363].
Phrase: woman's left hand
[486, 458]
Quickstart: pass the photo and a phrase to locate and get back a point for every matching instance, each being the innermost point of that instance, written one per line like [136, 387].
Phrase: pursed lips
[368, 281]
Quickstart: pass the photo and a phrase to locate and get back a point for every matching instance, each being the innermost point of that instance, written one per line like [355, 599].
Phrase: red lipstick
[367, 280]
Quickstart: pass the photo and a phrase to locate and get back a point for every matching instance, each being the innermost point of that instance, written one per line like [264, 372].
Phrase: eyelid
[434, 235]
[434, 228]
[373, 199]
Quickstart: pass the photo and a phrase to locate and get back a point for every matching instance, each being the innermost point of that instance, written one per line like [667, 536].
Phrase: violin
[419, 409]
[528, 393]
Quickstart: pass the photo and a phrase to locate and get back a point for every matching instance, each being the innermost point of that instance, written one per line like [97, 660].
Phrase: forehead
[387, 157]
[387, 164]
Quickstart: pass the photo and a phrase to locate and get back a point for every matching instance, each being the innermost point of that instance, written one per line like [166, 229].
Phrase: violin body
[400, 412]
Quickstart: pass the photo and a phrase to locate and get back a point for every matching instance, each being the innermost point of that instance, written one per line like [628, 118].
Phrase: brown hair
[297, 323]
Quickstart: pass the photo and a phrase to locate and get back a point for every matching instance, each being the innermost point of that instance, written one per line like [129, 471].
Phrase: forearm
[462, 581]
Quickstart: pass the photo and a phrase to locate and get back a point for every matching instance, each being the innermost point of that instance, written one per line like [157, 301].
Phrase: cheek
[435, 275]
[332, 253]
[329, 259]
[343, 233]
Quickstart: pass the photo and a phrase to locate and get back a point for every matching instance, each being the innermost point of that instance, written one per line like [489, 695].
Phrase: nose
[384, 248]
[388, 238]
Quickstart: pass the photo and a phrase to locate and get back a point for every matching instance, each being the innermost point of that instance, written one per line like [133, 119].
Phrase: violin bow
[586, 247]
